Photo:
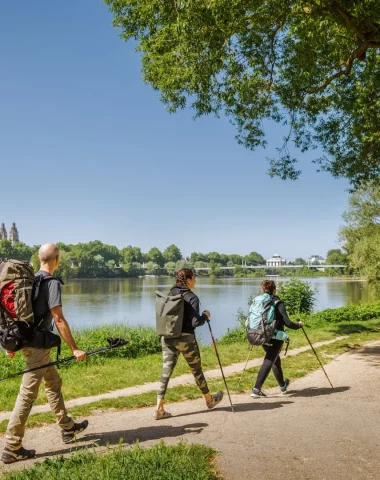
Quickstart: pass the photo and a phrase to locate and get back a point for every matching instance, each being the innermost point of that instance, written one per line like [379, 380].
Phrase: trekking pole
[246, 363]
[220, 364]
[112, 343]
[315, 353]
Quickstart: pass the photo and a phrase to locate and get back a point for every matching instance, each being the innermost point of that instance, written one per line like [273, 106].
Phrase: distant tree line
[96, 259]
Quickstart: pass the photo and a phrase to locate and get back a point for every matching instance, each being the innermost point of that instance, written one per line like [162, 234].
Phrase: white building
[316, 258]
[276, 261]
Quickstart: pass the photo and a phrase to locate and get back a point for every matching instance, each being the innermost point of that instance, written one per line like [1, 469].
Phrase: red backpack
[18, 290]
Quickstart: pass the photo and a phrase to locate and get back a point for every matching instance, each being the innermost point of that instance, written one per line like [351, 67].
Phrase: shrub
[350, 313]
[298, 296]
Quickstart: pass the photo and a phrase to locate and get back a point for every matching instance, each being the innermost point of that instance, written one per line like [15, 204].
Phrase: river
[130, 301]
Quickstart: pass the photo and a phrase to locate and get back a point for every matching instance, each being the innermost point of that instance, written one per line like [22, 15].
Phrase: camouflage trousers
[171, 348]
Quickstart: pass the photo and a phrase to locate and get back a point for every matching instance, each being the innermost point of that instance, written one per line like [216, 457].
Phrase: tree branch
[358, 53]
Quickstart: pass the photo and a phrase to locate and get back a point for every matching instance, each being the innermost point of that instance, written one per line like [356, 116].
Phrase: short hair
[268, 286]
[48, 252]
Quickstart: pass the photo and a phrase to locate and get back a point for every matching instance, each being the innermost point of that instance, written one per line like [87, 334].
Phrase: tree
[152, 267]
[172, 254]
[335, 256]
[18, 251]
[170, 268]
[299, 261]
[313, 65]
[131, 255]
[155, 256]
[214, 257]
[255, 258]
[235, 258]
[361, 233]
[198, 257]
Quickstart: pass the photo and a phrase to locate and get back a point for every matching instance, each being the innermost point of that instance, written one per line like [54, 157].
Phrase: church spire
[13, 234]
[3, 232]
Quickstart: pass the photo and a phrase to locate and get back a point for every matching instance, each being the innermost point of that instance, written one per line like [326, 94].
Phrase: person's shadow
[241, 407]
[141, 434]
[316, 392]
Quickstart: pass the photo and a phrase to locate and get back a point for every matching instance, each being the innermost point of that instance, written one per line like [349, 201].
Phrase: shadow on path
[240, 407]
[370, 354]
[316, 392]
[141, 434]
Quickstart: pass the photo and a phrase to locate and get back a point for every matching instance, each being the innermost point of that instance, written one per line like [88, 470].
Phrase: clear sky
[87, 151]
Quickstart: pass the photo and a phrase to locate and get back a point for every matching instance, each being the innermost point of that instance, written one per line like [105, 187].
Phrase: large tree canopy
[313, 65]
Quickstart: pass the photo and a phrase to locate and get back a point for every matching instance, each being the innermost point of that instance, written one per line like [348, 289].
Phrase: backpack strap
[43, 278]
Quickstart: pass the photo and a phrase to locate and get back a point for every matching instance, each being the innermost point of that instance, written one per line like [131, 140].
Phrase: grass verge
[294, 367]
[113, 373]
[161, 462]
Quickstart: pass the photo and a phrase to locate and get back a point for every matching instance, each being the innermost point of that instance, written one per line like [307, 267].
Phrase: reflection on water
[131, 300]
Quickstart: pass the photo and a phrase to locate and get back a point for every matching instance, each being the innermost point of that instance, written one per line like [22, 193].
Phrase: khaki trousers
[28, 393]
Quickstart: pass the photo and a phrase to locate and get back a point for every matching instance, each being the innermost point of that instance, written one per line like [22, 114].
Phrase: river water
[130, 301]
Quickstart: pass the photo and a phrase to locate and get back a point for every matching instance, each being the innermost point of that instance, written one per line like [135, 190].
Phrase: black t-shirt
[49, 297]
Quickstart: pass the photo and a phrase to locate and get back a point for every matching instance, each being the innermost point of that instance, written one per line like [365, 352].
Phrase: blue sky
[87, 151]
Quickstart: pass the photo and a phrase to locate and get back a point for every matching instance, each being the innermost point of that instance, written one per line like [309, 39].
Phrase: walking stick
[112, 343]
[220, 364]
[315, 353]
[246, 363]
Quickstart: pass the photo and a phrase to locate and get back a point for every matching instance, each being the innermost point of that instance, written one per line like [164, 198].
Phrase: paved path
[314, 433]
[181, 380]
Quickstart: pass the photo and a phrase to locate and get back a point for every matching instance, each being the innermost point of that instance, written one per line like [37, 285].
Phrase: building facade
[276, 261]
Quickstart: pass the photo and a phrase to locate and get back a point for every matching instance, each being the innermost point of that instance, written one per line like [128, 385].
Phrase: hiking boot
[161, 415]
[215, 399]
[12, 456]
[70, 435]
[284, 388]
[256, 393]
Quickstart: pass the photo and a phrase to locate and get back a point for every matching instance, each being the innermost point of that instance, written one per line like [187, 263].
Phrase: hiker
[185, 344]
[46, 308]
[272, 349]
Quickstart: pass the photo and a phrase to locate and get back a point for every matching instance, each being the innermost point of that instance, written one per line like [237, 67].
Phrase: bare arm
[65, 332]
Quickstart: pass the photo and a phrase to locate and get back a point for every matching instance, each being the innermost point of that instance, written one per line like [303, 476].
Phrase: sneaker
[12, 456]
[215, 399]
[70, 435]
[284, 388]
[161, 415]
[256, 393]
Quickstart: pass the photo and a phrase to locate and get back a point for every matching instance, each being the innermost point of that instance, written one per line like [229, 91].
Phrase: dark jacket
[191, 316]
[282, 319]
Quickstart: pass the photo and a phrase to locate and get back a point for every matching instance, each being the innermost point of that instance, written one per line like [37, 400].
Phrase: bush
[350, 313]
[298, 296]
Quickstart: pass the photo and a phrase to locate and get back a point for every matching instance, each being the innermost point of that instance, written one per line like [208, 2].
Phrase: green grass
[294, 367]
[161, 462]
[102, 375]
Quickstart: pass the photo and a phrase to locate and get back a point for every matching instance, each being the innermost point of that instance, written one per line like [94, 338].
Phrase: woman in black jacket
[272, 358]
[185, 344]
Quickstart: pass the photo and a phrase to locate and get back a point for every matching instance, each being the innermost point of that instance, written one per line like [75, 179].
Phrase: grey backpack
[169, 315]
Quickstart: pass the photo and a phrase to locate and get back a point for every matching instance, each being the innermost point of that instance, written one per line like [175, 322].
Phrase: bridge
[266, 267]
